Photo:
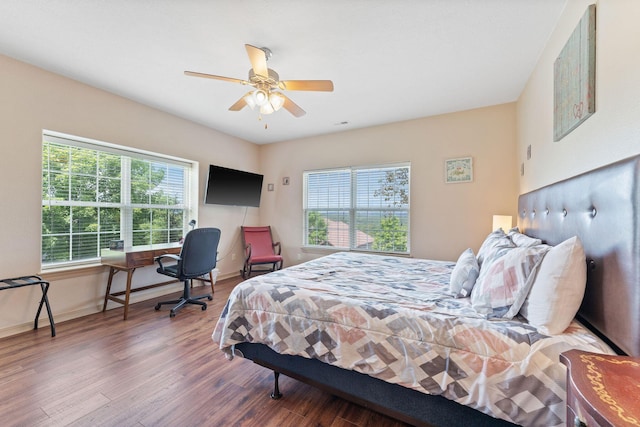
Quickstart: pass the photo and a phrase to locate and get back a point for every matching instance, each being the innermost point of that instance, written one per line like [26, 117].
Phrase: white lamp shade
[276, 100]
[266, 108]
[502, 221]
[261, 97]
[250, 100]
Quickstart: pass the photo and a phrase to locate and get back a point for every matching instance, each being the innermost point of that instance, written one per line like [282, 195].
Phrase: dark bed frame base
[403, 404]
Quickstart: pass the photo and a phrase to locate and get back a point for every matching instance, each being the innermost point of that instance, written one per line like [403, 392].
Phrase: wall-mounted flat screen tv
[233, 187]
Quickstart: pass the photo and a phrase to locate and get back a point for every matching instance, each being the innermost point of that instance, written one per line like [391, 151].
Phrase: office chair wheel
[157, 307]
[172, 313]
[210, 298]
[204, 307]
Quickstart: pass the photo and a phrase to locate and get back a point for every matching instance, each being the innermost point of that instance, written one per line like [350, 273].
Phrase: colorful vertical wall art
[574, 77]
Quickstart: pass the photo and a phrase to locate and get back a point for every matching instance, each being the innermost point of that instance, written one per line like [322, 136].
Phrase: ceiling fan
[267, 84]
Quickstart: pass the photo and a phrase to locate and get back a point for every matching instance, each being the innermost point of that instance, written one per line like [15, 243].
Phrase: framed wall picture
[574, 77]
[458, 170]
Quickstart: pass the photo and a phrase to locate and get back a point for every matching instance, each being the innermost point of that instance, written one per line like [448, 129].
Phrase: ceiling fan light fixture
[266, 109]
[260, 97]
[276, 100]
[250, 100]
[265, 82]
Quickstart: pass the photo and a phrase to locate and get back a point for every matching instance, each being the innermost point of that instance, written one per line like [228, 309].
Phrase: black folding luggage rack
[19, 282]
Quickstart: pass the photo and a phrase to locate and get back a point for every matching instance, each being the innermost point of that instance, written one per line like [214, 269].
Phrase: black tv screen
[233, 187]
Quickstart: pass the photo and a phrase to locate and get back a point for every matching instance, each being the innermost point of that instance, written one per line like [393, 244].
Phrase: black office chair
[197, 258]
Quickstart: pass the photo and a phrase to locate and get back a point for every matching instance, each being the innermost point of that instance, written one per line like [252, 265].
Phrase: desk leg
[112, 271]
[128, 292]
[212, 280]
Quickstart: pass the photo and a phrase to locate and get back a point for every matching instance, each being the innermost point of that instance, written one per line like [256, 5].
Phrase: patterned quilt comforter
[394, 319]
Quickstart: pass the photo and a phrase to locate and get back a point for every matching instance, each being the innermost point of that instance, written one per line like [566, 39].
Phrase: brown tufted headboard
[602, 207]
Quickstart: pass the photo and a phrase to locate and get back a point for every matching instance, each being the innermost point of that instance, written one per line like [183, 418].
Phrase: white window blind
[364, 208]
[93, 193]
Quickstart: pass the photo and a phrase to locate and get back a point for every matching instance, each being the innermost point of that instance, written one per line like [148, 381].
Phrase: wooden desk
[602, 390]
[128, 260]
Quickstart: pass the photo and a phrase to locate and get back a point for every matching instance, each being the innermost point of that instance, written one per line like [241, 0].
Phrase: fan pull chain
[266, 125]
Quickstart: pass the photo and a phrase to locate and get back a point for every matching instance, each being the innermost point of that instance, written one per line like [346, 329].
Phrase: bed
[389, 335]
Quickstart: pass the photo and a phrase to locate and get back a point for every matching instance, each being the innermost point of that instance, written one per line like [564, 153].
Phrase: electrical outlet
[233, 257]
[299, 257]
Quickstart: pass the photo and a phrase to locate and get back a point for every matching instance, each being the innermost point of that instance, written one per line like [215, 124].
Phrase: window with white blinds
[94, 193]
[364, 208]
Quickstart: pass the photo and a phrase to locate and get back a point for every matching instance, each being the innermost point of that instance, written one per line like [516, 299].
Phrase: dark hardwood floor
[151, 370]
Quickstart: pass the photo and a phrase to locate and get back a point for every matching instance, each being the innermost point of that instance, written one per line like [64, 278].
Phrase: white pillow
[464, 274]
[558, 288]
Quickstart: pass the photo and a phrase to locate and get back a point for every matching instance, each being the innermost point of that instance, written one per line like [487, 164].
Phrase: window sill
[331, 250]
[322, 249]
[70, 272]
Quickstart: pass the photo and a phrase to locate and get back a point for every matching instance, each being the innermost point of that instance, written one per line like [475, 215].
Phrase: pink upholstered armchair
[259, 249]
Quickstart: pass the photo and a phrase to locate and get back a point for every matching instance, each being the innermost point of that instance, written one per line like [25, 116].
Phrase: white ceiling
[389, 60]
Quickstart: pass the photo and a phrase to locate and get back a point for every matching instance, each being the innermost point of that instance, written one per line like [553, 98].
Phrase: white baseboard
[43, 322]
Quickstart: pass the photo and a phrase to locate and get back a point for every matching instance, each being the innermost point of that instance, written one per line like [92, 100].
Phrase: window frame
[351, 212]
[187, 190]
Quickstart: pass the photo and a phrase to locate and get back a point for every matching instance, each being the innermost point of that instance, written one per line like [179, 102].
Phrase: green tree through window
[317, 229]
[93, 194]
[394, 190]
[392, 235]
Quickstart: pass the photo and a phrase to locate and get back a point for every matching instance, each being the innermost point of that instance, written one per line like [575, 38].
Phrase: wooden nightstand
[602, 390]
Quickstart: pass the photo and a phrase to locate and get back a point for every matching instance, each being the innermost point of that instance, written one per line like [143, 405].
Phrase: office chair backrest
[199, 252]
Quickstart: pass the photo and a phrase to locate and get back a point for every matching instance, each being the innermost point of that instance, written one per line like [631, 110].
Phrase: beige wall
[32, 100]
[445, 218]
[613, 132]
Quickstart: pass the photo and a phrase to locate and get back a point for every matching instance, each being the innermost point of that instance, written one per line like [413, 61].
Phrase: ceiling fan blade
[211, 76]
[240, 103]
[292, 107]
[314, 85]
[258, 60]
